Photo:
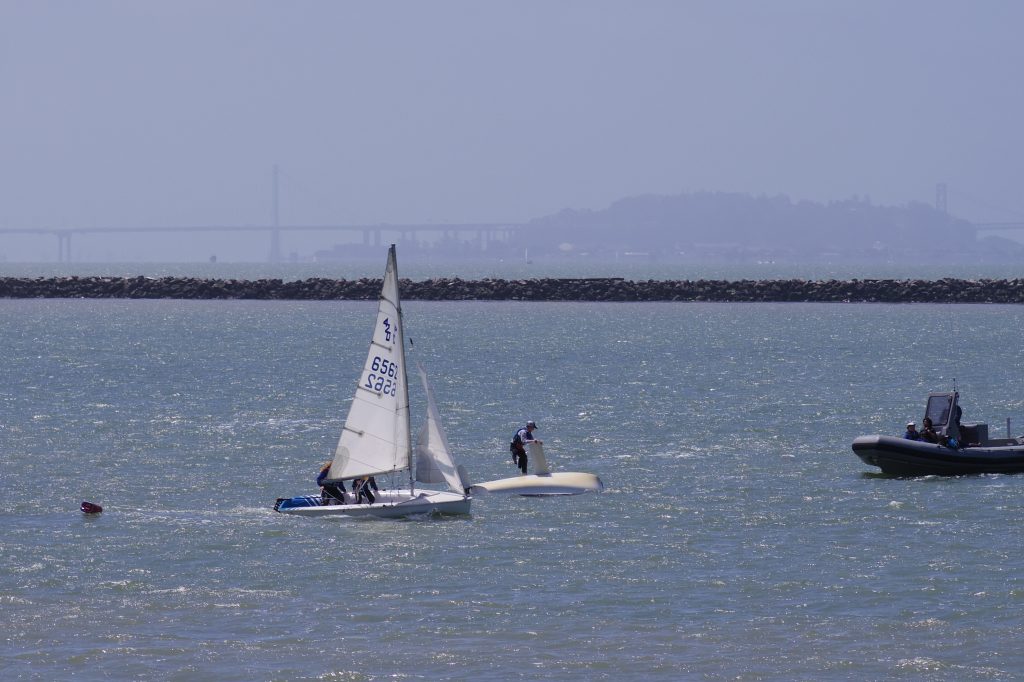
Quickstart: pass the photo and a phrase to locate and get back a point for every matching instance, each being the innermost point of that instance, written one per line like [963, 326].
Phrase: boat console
[945, 413]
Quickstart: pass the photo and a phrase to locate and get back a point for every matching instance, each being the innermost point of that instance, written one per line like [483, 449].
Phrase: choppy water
[739, 538]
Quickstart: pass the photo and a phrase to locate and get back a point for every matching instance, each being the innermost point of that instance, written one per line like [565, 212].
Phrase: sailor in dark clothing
[928, 432]
[523, 436]
[362, 487]
[912, 433]
[330, 493]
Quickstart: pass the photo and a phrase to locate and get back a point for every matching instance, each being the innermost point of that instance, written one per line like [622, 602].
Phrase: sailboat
[376, 439]
[542, 482]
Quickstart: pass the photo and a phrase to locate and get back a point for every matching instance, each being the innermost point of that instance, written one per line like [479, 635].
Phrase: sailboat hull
[392, 504]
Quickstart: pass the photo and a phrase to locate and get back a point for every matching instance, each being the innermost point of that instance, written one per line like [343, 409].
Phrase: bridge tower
[940, 198]
[63, 246]
[275, 232]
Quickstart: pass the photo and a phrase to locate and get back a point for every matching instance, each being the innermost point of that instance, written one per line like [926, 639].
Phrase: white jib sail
[434, 461]
[376, 439]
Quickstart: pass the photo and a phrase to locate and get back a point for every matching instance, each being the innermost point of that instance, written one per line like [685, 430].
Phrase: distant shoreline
[945, 290]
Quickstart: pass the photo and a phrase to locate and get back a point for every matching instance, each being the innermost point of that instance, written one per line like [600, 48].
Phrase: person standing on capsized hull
[522, 437]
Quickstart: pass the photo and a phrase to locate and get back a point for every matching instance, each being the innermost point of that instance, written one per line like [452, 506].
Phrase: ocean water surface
[738, 536]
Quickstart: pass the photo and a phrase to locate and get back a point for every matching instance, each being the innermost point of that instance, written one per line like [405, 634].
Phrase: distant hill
[740, 227]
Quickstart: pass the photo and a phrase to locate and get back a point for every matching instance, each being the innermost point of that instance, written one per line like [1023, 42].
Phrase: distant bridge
[979, 227]
[373, 235]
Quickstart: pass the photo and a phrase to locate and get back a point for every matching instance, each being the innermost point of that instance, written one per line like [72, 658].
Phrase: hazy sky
[157, 113]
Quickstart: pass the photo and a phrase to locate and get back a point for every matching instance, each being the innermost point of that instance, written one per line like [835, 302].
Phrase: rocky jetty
[581, 289]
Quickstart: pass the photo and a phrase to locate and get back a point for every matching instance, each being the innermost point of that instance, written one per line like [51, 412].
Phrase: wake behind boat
[964, 448]
[542, 482]
[376, 439]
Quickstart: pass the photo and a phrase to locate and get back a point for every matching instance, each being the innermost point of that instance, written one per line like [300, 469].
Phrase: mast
[405, 374]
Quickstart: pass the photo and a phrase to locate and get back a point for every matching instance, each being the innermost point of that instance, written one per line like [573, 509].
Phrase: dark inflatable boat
[963, 448]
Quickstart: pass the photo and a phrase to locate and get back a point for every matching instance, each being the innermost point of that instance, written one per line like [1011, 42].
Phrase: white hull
[393, 504]
[533, 485]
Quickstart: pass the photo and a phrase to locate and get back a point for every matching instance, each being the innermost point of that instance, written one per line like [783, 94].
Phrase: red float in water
[90, 508]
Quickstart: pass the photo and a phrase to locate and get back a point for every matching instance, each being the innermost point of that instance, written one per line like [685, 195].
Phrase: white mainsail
[434, 461]
[376, 437]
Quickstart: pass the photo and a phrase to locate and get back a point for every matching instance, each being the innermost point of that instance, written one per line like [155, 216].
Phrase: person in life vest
[518, 446]
[363, 487]
[330, 493]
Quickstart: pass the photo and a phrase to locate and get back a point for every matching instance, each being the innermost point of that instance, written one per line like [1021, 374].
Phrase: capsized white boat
[543, 481]
[376, 439]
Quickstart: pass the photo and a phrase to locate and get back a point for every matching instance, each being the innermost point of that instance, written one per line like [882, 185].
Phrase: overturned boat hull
[392, 504]
[903, 457]
[539, 485]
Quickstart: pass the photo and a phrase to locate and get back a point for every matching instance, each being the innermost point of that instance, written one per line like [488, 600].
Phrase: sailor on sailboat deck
[330, 491]
[361, 487]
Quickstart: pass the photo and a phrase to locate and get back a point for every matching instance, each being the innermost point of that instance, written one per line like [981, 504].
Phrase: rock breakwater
[585, 289]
